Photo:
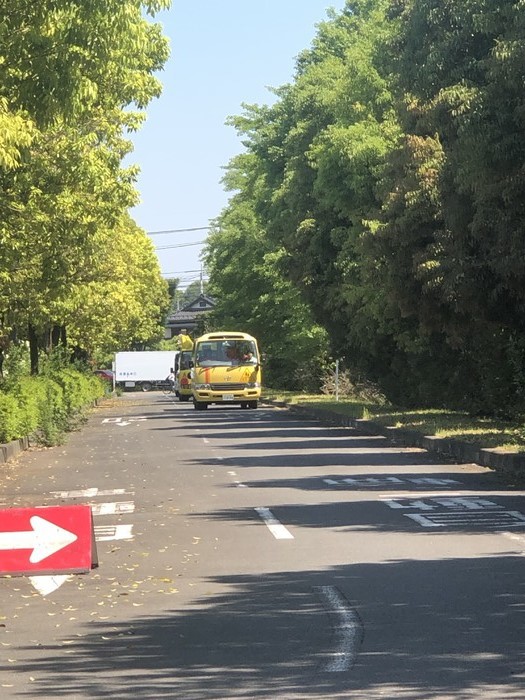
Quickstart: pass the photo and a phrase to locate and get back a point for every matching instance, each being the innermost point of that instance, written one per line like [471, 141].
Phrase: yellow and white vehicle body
[183, 375]
[226, 370]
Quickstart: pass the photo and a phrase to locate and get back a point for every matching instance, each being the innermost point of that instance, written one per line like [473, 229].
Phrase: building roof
[189, 313]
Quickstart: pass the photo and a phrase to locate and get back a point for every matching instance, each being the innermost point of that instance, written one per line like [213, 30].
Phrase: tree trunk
[33, 349]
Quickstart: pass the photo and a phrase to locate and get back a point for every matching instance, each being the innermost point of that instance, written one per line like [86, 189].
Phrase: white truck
[144, 370]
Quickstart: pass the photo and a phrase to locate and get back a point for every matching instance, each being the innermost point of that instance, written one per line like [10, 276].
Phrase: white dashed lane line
[277, 529]
[347, 626]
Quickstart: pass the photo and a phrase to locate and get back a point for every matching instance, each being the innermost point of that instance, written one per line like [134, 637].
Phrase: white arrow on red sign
[44, 539]
[50, 540]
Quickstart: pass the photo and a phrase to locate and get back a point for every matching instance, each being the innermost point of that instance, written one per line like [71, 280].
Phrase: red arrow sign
[47, 540]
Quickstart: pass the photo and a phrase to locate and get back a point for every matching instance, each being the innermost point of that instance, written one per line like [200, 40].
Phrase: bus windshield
[225, 353]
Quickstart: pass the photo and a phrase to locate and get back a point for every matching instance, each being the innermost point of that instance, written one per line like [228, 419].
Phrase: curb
[10, 450]
[510, 463]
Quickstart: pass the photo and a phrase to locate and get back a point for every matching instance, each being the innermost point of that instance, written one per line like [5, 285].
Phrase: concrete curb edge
[512, 463]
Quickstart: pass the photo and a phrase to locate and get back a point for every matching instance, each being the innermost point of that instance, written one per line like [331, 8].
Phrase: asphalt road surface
[257, 554]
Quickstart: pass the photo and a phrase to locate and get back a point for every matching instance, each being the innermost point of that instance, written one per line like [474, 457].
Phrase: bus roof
[224, 335]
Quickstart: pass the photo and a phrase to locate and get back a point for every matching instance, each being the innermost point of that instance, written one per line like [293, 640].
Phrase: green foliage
[16, 365]
[74, 81]
[46, 407]
[253, 296]
[52, 413]
[30, 396]
[385, 185]
[10, 418]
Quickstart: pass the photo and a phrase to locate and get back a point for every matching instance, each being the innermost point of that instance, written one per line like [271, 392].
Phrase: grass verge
[484, 432]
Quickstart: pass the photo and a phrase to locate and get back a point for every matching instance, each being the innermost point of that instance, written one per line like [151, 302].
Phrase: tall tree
[74, 80]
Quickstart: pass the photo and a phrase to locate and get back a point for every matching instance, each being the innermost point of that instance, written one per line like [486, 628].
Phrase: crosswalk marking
[104, 533]
[112, 508]
[494, 519]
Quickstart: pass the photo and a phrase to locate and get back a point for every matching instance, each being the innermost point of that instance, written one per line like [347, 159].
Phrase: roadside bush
[28, 393]
[345, 385]
[53, 413]
[80, 389]
[10, 418]
[15, 366]
[47, 406]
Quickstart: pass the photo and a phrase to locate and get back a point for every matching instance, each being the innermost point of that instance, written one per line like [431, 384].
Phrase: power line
[181, 272]
[183, 280]
[178, 230]
[178, 245]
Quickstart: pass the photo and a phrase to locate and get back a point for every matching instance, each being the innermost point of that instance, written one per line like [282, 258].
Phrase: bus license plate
[227, 397]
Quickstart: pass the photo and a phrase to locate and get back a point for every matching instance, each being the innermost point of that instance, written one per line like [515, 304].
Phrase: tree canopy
[384, 184]
[75, 79]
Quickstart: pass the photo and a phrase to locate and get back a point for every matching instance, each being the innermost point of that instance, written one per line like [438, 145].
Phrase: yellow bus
[226, 370]
[183, 361]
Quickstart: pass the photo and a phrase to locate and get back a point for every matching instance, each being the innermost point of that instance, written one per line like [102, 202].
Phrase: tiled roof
[182, 316]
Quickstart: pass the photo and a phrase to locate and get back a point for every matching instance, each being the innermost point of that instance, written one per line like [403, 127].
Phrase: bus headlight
[253, 385]
[202, 387]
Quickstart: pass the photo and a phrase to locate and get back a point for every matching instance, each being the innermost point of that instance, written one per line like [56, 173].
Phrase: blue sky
[222, 54]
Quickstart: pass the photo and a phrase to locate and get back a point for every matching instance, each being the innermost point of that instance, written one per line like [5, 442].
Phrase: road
[257, 554]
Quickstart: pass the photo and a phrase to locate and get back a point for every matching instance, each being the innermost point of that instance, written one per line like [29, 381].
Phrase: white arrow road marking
[44, 539]
[275, 526]
[48, 584]
[120, 421]
[348, 628]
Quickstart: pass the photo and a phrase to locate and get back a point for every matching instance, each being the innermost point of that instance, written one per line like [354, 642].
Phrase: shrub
[28, 394]
[346, 385]
[47, 406]
[53, 413]
[10, 418]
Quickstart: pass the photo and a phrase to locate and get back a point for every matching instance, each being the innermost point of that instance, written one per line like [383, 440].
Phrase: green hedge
[45, 407]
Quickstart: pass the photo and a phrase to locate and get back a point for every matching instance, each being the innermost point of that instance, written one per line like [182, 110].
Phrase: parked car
[106, 374]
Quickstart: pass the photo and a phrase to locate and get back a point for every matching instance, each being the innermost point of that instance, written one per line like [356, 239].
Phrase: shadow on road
[426, 636]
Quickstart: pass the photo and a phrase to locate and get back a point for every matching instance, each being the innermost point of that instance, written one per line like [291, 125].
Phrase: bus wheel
[244, 404]
[146, 386]
[252, 404]
[200, 405]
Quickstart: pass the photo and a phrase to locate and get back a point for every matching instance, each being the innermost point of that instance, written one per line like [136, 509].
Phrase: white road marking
[240, 485]
[420, 494]
[206, 441]
[91, 493]
[112, 508]
[105, 533]
[277, 529]
[516, 538]
[348, 629]
[120, 420]
[385, 481]
[495, 519]
[47, 584]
